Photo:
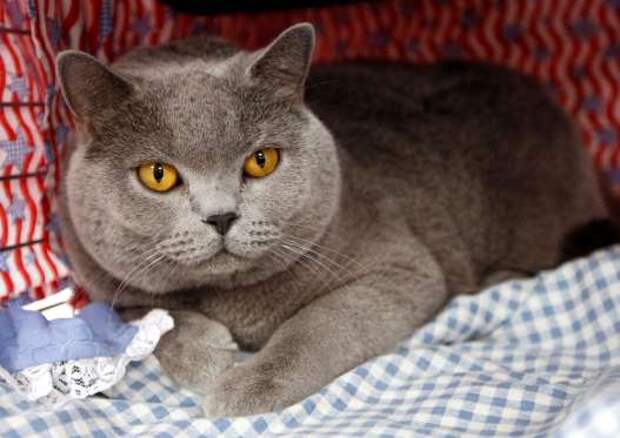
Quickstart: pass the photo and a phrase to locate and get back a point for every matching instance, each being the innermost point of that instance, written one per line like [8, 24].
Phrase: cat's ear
[89, 86]
[284, 64]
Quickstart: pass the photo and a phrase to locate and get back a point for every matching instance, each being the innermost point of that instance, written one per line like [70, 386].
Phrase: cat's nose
[221, 222]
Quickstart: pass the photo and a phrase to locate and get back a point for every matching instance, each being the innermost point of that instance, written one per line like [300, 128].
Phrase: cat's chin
[220, 264]
[228, 270]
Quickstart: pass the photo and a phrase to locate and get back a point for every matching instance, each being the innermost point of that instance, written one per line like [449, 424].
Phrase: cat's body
[441, 180]
[481, 165]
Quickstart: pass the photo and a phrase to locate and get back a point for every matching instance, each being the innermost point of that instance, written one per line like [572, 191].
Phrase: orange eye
[261, 163]
[158, 177]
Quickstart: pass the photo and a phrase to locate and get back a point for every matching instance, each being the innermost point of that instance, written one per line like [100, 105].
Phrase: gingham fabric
[537, 357]
[571, 46]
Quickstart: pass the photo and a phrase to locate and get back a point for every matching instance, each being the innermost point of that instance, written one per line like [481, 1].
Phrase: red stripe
[159, 18]
[27, 131]
[328, 34]
[578, 49]
[6, 278]
[480, 37]
[45, 45]
[84, 40]
[185, 23]
[440, 32]
[59, 114]
[40, 80]
[38, 293]
[40, 258]
[17, 255]
[11, 51]
[498, 34]
[540, 71]
[72, 16]
[8, 282]
[48, 257]
[108, 46]
[4, 237]
[94, 27]
[41, 272]
[8, 189]
[613, 35]
[3, 74]
[428, 21]
[22, 62]
[32, 208]
[124, 25]
[11, 135]
[521, 46]
[561, 16]
[594, 48]
[39, 145]
[138, 14]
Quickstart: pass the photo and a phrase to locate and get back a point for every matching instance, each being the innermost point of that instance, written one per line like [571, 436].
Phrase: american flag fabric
[535, 357]
[571, 46]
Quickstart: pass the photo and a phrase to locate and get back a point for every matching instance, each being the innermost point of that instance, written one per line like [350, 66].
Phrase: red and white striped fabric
[572, 46]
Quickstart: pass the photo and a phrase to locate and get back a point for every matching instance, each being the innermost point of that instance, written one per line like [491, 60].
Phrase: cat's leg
[330, 336]
[195, 351]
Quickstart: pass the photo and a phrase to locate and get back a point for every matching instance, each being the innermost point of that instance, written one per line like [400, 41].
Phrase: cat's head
[189, 172]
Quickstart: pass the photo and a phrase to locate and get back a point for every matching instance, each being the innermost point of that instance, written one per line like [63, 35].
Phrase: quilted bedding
[531, 357]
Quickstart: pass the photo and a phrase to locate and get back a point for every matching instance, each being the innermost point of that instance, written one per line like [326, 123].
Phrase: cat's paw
[196, 351]
[244, 391]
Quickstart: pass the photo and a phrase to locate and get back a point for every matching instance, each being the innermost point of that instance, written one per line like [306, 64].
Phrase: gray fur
[399, 186]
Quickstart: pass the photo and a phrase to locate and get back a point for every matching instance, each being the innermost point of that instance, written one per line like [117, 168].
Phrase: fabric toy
[54, 361]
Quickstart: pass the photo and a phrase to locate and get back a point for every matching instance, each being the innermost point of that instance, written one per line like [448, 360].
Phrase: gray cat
[318, 218]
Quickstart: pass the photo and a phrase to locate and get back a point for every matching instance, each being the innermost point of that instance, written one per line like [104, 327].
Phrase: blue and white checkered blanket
[539, 356]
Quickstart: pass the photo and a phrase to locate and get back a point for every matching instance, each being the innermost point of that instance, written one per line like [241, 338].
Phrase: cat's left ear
[89, 87]
[283, 65]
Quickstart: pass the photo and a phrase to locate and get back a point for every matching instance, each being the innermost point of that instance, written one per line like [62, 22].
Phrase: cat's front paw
[196, 351]
[244, 391]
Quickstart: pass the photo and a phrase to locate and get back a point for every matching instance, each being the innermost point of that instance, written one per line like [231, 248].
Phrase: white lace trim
[56, 383]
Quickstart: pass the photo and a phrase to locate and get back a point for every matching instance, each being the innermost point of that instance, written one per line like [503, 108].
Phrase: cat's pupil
[260, 158]
[158, 172]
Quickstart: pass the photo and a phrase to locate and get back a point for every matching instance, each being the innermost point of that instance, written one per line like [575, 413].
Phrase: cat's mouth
[221, 260]
[224, 253]
[217, 257]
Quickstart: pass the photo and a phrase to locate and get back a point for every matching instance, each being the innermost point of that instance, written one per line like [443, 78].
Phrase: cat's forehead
[194, 90]
[205, 119]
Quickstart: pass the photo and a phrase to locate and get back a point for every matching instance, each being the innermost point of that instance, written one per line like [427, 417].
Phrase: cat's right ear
[89, 87]
[284, 64]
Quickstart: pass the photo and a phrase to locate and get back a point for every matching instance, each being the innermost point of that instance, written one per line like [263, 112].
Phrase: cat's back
[446, 105]
[455, 129]
[479, 149]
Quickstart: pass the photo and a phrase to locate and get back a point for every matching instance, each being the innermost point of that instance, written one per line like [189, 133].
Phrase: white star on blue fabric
[4, 267]
[49, 94]
[15, 14]
[61, 133]
[29, 258]
[52, 225]
[16, 150]
[49, 151]
[54, 31]
[142, 26]
[18, 86]
[17, 209]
